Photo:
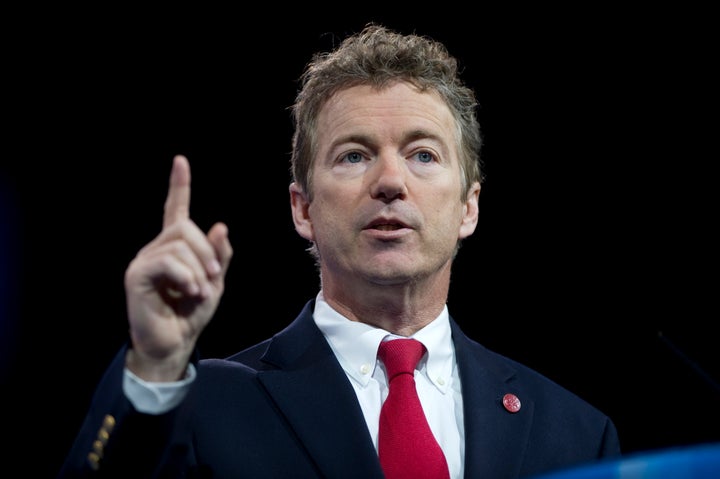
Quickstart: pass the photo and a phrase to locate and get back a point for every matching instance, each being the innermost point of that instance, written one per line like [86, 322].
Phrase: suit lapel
[489, 427]
[312, 391]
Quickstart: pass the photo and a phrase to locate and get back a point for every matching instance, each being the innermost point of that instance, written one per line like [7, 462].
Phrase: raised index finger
[177, 204]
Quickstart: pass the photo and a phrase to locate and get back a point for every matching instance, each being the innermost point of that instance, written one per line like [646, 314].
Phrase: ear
[300, 212]
[470, 212]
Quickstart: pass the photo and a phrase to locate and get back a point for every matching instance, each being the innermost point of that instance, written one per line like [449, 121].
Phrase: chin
[390, 274]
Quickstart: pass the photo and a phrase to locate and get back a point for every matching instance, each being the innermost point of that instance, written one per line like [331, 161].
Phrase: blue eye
[424, 157]
[353, 157]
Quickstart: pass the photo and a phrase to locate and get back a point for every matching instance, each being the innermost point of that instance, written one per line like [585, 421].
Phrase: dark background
[594, 261]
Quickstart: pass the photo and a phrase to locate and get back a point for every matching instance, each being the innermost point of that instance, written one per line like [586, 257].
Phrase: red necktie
[406, 444]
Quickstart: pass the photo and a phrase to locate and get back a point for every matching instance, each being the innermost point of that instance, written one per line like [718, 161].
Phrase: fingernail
[214, 267]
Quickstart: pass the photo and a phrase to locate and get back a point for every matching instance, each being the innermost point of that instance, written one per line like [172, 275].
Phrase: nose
[388, 178]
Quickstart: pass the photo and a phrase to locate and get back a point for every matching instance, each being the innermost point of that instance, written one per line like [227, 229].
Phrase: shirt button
[365, 368]
[440, 381]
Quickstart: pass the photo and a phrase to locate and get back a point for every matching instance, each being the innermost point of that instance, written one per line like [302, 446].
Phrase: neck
[400, 309]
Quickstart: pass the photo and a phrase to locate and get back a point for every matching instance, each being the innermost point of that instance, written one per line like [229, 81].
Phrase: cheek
[326, 216]
[332, 197]
[445, 207]
[446, 217]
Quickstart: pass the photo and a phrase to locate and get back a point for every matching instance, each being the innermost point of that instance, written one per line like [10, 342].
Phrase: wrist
[148, 368]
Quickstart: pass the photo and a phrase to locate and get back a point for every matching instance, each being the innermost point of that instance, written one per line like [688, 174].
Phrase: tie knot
[400, 356]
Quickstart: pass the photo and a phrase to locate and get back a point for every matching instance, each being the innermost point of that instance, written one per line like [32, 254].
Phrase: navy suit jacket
[285, 408]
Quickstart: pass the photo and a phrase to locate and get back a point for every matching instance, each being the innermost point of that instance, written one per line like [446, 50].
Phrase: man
[386, 181]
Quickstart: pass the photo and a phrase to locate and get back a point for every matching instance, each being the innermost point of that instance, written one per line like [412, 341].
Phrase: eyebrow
[417, 134]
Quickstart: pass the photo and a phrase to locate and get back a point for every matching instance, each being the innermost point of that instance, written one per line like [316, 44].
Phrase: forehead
[399, 105]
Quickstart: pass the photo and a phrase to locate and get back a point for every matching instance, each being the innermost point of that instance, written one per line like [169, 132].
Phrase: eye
[424, 157]
[352, 157]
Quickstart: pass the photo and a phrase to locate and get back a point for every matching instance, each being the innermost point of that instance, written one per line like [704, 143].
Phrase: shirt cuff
[153, 397]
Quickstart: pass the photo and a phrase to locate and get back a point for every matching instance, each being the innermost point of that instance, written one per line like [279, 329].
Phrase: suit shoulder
[251, 356]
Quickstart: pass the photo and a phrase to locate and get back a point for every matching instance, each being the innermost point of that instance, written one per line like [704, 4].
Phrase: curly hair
[380, 57]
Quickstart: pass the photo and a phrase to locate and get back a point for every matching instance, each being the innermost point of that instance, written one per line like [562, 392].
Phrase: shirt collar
[355, 344]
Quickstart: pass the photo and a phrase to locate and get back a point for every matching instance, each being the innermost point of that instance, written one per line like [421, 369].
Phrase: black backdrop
[594, 261]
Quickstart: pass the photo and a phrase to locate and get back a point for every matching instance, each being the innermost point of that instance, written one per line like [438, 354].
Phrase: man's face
[386, 182]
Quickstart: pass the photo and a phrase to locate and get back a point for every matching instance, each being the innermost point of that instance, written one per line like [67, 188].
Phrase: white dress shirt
[355, 345]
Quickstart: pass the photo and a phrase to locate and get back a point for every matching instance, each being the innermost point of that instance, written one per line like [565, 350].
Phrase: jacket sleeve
[115, 440]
